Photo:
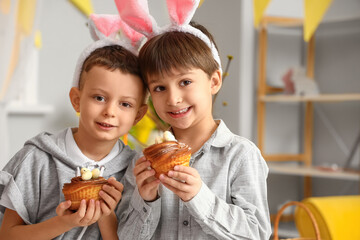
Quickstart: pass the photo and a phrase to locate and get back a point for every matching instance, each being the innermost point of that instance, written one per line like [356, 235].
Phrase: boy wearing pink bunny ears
[223, 194]
[109, 95]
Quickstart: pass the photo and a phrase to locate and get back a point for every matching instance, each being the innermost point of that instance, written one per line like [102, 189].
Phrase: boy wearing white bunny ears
[109, 95]
[223, 194]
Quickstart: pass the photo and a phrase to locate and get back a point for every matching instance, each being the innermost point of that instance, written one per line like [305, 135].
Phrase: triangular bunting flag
[314, 12]
[85, 6]
[5, 6]
[259, 9]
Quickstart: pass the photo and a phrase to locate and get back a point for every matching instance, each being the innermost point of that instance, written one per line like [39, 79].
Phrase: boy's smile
[180, 113]
[105, 126]
[183, 99]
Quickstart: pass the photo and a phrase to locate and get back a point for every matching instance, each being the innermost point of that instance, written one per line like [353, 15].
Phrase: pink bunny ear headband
[104, 30]
[136, 14]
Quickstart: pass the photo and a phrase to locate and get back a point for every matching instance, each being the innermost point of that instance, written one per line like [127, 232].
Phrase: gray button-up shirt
[231, 204]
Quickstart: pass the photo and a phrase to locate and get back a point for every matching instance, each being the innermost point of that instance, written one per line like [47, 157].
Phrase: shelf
[294, 26]
[314, 98]
[36, 109]
[291, 169]
[299, 22]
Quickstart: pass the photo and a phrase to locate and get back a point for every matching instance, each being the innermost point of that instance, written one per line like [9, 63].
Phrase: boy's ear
[141, 113]
[74, 95]
[216, 82]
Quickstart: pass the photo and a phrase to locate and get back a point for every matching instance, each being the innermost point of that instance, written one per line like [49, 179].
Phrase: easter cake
[166, 153]
[86, 186]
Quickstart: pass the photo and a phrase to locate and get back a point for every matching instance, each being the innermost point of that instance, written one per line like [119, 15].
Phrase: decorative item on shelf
[297, 83]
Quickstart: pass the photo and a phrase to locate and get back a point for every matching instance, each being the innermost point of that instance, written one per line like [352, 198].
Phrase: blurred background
[40, 42]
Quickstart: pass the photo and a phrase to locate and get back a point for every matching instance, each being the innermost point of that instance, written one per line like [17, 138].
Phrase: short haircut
[112, 58]
[177, 50]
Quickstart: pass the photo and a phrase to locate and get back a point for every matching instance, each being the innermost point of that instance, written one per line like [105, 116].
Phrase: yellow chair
[338, 217]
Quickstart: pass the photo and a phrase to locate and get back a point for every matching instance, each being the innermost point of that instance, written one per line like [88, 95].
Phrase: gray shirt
[31, 183]
[231, 204]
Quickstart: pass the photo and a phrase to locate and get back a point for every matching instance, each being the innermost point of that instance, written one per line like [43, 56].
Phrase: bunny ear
[181, 11]
[136, 14]
[134, 36]
[103, 26]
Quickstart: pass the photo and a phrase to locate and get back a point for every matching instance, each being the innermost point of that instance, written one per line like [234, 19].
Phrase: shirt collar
[221, 137]
[74, 152]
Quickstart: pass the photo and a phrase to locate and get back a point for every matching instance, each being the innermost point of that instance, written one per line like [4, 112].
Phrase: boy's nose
[109, 110]
[173, 98]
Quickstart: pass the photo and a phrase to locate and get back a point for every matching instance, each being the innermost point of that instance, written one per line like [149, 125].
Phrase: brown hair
[177, 50]
[112, 57]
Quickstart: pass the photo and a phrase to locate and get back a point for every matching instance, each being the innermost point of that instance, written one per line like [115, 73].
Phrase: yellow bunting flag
[259, 9]
[201, 2]
[314, 12]
[5, 6]
[38, 39]
[85, 6]
[26, 15]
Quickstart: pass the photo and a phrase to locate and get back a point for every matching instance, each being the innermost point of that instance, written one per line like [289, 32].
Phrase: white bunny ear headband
[136, 14]
[104, 30]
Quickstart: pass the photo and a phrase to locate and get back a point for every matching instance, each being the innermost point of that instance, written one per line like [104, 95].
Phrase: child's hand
[188, 182]
[111, 196]
[84, 216]
[146, 182]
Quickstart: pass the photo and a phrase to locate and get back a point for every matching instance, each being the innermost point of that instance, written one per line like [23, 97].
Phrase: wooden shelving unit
[267, 94]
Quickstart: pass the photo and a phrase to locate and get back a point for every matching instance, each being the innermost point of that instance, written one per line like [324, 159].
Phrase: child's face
[110, 103]
[183, 99]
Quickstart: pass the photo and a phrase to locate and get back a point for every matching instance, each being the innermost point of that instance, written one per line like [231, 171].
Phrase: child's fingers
[97, 213]
[89, 213]
[111, 202]
[105, 208]
[140, 160]
[117, 185]
[187, 178]
[143, 166]
[140, 178]
[188, 170]
[62, 207]
[112, 192]
[151, 184]
[82, 210]
[182, 186]
[184, 195]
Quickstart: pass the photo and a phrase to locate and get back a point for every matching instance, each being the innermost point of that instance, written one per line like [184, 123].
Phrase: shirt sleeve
[138, 219]
[247, 216]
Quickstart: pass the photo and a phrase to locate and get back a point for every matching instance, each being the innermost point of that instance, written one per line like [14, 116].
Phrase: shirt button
[144, 209]
[185, 223]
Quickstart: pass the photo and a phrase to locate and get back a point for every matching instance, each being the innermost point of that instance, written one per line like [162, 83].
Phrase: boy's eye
[126, 104]
[99, 98]
[159, 89]
[185, 83]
